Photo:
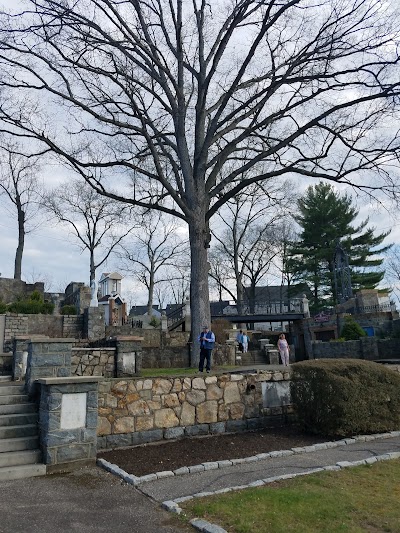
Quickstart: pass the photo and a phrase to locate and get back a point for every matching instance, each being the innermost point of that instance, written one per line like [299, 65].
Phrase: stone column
[164, 322]
[47, 358]
[20, 359]
[68, 422]
[94, 324]
[129, 356]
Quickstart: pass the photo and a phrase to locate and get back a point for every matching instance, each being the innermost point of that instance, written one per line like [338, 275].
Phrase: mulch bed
[170, 455]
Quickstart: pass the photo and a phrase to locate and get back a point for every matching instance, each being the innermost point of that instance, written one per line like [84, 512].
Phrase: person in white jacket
[245, 342]
[284, 349]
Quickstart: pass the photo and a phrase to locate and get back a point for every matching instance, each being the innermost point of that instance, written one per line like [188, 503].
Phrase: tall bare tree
[153, 254]
[20, 184]
[196, 101]
[98, 223]
[246, 234]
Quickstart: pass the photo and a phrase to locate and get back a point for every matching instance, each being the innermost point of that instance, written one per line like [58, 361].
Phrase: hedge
[344, 397]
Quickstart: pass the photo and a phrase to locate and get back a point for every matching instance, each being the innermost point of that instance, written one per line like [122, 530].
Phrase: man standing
[207, 341]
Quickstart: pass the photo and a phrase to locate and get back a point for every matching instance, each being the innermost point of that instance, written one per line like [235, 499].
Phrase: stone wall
[93, 362]
[12, 289]
[135, 411]
[21, 325]
[365, 348]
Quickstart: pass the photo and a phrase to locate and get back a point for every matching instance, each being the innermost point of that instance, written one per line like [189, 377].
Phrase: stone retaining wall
[365, 348]
[135, 411]
[93, 362]
[57, 326]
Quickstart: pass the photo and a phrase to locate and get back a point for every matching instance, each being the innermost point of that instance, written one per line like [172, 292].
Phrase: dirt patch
[156, 457]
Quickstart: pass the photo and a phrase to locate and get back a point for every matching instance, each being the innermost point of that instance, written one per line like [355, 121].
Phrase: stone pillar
[128, 356]
[94, 326]
[164, 322]
[20, 359]
[68, 422]
[273, 357]
[47, 358]
[305, 307]
[234, 358]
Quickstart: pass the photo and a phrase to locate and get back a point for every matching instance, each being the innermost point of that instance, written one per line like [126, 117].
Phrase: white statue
[94, 301]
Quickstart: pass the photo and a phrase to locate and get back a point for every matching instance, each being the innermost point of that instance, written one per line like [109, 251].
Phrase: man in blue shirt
[207, 341]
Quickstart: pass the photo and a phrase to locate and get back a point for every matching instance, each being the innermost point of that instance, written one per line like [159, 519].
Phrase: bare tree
[20, 184]
[192, 102]
[98, 223]
[247, 238]
[392, 270]
[154, 253]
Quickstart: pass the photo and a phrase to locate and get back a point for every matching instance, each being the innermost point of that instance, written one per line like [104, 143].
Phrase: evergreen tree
[326, 219]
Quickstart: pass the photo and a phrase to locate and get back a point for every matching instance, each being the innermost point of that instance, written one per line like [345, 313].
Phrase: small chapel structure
[110, 298]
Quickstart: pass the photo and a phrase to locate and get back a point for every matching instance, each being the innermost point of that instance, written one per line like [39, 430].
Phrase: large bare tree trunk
[21, 243]
[199, 296]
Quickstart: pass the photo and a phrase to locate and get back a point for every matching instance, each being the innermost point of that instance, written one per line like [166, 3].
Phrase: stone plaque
[275, 393]
[129, 363]
[73, 410]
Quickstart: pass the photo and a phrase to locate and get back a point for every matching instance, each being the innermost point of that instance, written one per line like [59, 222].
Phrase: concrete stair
[253, 357]
[20, 456]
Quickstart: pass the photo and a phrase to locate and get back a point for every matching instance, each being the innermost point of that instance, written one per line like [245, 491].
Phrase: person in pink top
[284, 349]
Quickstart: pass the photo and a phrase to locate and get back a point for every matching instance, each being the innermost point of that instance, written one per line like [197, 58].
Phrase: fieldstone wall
[93, 362]
[136, 411]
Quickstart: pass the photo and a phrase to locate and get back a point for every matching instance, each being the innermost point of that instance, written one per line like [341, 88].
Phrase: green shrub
[155, 322]
[351, 330]
[345, 397]
[31, 307]
[3, 307]
[69, 310]
[36, 297]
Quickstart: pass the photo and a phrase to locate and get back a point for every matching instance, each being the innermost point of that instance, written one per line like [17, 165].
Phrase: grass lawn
[353, 500]
[160, 372]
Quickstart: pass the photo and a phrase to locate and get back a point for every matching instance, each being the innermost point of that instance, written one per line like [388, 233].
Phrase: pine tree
[326, 219]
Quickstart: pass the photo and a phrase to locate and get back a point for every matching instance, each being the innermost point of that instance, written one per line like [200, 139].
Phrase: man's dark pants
[205, 354]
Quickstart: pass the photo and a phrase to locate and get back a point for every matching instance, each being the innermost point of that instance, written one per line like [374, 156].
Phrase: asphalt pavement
[93, 500]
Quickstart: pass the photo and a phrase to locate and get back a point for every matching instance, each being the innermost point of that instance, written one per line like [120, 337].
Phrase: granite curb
[138, 480]
[207, 527]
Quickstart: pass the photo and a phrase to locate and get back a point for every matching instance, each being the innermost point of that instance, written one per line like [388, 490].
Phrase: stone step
[21, 472]
[18, 419]
[13, 398]
[16, 458]
[11, 388]
[12, 432]
[19, 443]
[5, 378]
[15, 408]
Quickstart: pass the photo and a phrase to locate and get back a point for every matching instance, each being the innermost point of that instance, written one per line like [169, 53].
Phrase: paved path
[171, 488]
[85, 501]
